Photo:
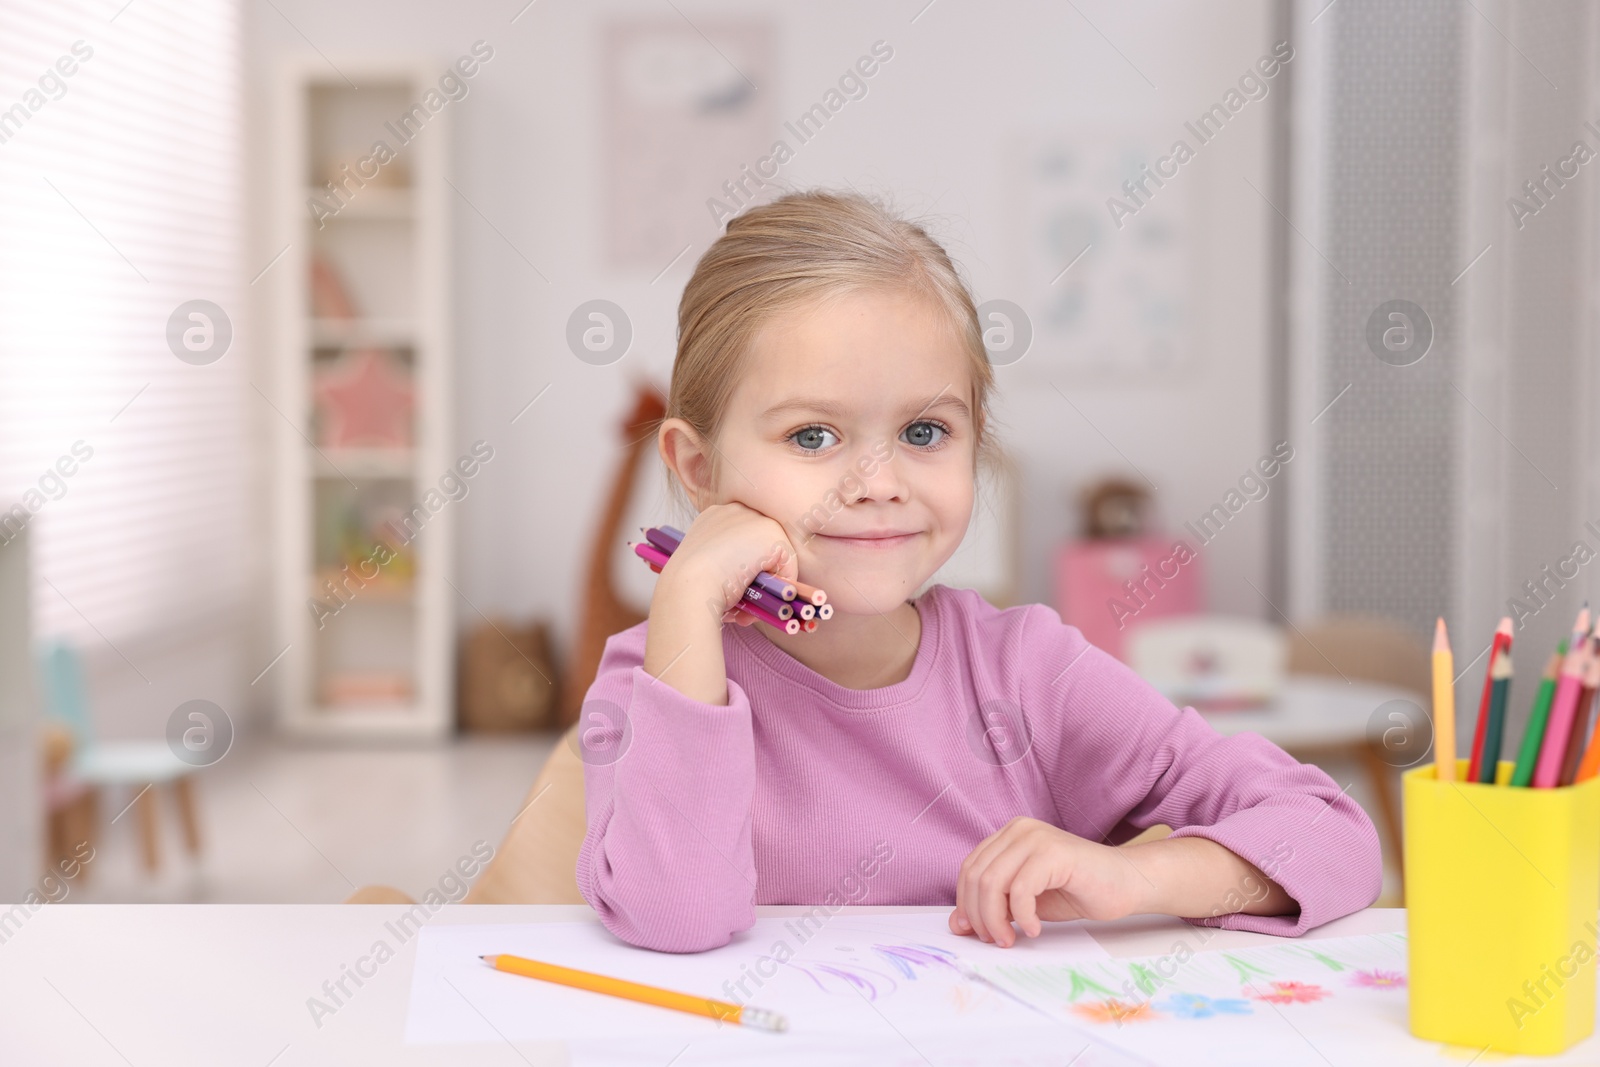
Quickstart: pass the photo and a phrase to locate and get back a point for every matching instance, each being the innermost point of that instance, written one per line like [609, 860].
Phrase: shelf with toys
[365, 607]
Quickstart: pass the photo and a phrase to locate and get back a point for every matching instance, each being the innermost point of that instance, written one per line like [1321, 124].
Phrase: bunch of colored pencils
[769, 598]
[1560, 745]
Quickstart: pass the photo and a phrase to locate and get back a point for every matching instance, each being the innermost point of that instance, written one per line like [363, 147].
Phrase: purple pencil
[788, 626]
[771, 583]
[780, 611]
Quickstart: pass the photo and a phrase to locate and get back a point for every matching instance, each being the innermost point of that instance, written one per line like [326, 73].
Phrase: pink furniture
[1106, 588]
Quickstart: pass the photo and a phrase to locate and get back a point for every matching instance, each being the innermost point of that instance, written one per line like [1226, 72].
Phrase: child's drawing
[1178, 988]
[1197, 1006]
[1289, 992]
[876, 979]
[1376, 979]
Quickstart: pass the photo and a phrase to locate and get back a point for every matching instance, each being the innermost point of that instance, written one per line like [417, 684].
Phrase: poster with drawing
[682, 114]
[1102, 264]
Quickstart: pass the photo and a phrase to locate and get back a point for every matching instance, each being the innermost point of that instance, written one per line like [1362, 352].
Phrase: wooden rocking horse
[602, 612]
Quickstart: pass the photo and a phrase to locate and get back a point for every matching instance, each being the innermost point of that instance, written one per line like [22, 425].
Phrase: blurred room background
[325, 329]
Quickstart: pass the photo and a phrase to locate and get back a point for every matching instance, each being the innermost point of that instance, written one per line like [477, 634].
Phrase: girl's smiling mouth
[874, 540]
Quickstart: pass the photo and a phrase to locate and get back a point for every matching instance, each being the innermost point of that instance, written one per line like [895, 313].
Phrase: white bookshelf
[382, 664]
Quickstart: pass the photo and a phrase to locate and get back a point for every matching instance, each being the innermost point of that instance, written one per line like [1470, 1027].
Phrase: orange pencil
[1444, 706]
[810, 592]
[644, 994]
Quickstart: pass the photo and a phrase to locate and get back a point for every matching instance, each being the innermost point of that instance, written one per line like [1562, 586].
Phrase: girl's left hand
[1034, 872]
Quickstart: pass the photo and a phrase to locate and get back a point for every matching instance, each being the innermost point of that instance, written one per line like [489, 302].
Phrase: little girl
[828, 414]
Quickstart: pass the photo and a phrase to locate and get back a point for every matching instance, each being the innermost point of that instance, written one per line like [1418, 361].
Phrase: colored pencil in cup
[1547, 772]
[1538, 715]
[1580, 719]
[1444, 706]
[667, 538]
[1500, 677]
[743, 1015]
[1502, 642]
[1589, 766]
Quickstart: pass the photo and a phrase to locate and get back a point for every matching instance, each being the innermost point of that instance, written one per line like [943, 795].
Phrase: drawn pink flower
[1291, 993]
[1378, 979]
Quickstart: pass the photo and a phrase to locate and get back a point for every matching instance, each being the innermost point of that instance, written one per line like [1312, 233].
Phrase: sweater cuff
[1328, 861]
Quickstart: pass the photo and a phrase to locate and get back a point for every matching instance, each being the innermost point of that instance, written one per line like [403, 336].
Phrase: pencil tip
[1501, 666]
[1505, 625]
[1441, 640]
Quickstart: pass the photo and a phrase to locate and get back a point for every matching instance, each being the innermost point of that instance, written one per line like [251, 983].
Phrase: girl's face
[853, 428]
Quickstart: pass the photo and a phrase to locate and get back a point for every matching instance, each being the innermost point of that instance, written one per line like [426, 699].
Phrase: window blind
[120, 186]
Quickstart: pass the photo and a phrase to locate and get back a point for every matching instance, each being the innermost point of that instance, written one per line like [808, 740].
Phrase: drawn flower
[1114, 1011]
[1376, 979]
[1291, 993]
[1195, 1006]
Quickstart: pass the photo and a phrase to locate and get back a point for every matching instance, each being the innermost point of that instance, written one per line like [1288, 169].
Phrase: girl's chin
[863, 593]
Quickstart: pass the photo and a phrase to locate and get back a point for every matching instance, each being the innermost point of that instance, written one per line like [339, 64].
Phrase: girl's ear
[685, 455]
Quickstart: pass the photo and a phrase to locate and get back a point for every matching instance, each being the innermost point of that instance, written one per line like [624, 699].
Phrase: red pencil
[1502, 640]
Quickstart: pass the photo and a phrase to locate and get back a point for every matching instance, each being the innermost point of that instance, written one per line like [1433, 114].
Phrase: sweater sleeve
[1120, 757]
[669, 785]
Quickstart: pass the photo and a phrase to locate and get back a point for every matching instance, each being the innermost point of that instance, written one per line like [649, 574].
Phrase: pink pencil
[1547, 772]
[765, 614]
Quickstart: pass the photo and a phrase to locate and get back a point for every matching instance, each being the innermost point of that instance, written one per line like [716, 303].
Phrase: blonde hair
[802, 249]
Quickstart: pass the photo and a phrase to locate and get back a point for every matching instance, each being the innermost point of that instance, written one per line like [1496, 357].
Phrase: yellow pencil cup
[1502, 896]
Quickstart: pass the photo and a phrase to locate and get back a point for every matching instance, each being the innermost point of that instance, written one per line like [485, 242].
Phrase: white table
[1313, 711]
[170, 985]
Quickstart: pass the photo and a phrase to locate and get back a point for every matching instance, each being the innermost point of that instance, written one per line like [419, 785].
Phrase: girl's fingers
[966, 886]
[1032, 880]
[994, 897]
[967, 889]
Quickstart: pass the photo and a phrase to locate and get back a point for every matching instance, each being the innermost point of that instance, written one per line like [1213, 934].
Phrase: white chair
[1210, 662]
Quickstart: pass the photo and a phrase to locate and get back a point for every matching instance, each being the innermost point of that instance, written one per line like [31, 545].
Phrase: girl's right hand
[722, 551]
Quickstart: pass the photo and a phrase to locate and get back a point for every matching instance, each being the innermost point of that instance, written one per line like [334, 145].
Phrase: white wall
[933, 133]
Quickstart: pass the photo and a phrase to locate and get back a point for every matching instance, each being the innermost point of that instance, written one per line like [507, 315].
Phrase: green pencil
[1528, 754]
[1500, 673]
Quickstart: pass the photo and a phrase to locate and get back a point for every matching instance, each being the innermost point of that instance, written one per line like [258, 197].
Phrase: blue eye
[918, 434]
[808, 438]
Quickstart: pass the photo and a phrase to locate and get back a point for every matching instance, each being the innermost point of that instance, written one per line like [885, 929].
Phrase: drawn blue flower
[1195, 1006]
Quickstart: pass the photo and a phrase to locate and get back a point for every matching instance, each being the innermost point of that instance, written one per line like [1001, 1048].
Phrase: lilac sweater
[801, 791]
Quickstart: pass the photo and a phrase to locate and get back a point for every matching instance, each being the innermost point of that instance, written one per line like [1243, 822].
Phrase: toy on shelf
[1119, 575]
[358, 540]
[364, 401]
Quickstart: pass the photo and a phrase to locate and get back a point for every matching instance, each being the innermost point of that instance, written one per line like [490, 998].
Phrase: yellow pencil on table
[644, 994]
[1444, 705]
